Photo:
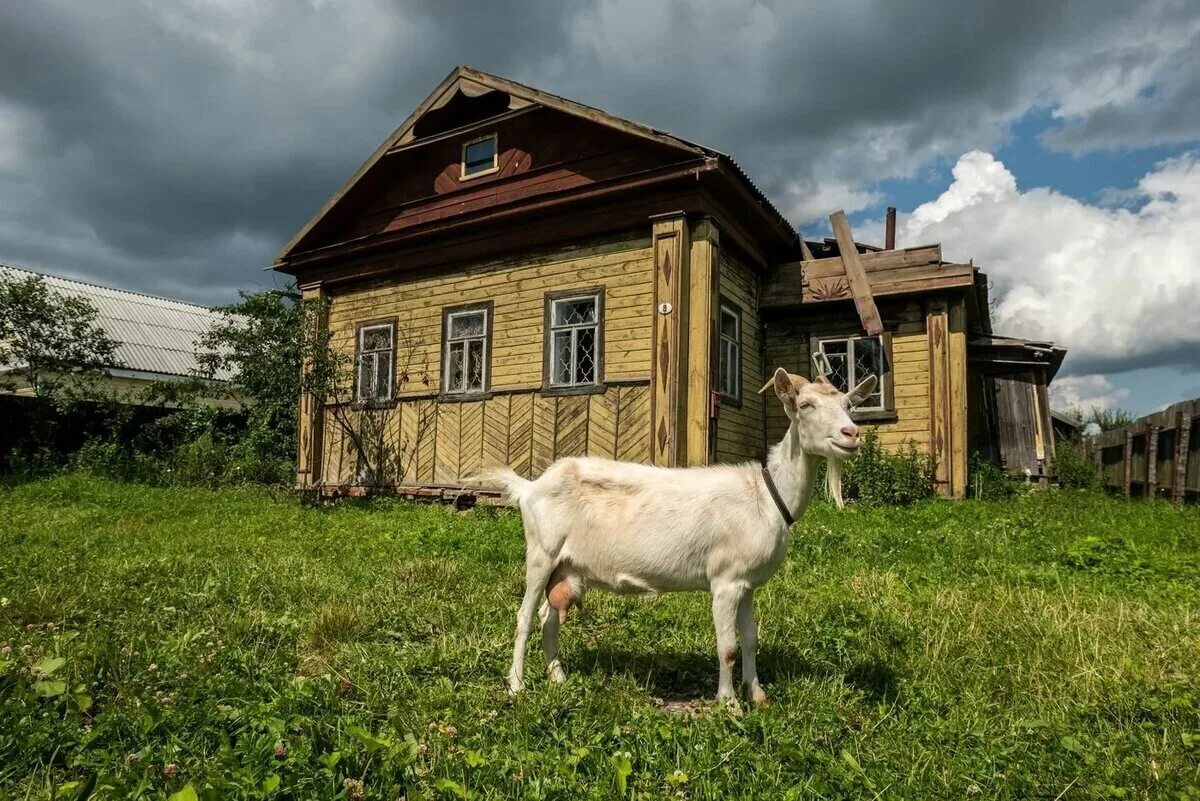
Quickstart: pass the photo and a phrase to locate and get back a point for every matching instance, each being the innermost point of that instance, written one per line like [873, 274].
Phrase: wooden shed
[520, 277]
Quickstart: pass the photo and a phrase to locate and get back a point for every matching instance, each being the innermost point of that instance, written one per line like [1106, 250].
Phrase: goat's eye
[805, 405]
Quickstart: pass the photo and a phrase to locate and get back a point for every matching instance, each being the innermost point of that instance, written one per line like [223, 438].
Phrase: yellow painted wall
[787, 346]
[740, 427]
[445, 443]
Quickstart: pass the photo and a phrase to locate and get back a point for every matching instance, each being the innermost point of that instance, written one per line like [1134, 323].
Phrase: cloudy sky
[172, 146]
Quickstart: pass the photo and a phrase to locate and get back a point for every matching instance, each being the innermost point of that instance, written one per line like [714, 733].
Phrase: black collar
[771, 488]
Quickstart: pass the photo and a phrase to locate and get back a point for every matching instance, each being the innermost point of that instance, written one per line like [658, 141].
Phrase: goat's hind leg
[550, 625]
[538, 567]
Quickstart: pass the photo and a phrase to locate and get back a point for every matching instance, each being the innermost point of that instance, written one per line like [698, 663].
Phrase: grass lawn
[233, 644]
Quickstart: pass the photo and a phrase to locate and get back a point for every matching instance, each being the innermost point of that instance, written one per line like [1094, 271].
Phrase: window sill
[586, 389]
[876, 416]
[463, 397]
[362, 406]
[729, 400]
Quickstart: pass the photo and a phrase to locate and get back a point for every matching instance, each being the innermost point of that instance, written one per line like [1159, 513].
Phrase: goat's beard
[833, 481]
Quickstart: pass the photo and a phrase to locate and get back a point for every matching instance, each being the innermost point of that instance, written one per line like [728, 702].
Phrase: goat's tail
[512, 486]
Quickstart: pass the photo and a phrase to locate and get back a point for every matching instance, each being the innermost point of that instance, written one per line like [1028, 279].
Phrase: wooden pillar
[703, 273]
[958, 398]
[311, 429]
[668, 387]
[1098, 458]
[1151, 460]
[1128, 462]
[937, 328]
[1183, 436]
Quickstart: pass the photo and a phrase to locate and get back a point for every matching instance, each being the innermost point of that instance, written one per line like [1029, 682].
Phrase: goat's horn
[767, 386]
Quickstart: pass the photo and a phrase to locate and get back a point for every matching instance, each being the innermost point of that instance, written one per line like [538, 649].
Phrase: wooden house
[519, 277]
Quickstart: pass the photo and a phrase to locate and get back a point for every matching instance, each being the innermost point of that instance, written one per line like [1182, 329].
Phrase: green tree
[50, 342]
[258, 343]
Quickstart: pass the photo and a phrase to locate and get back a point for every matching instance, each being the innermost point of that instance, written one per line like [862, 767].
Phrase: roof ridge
[103, 286]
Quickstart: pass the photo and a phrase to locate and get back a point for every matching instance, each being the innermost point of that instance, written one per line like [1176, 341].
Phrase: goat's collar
[771, 488]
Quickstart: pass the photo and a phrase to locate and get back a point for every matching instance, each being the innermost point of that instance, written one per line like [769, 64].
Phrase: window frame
[887, 411]
[597, 385]
[488, 308]
[724, 304]
[393, 323]
[462, 163]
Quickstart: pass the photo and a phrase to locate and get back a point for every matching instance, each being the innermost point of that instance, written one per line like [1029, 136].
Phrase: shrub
[989, 482]
[878, 476]
[1074, 466]
[112, 459]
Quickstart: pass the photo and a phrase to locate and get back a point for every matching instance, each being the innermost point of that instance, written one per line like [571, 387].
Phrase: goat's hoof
[515, 685]
[758, 697]
[557, 674]
[732, 706]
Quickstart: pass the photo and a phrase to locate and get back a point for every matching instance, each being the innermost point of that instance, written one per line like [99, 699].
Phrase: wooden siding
[429, 441]
[787, 345]
[740, 425]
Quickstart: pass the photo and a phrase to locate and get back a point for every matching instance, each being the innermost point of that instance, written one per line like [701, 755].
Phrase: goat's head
[820, 413]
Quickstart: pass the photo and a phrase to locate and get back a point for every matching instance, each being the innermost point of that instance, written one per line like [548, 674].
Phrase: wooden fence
[1157, 456]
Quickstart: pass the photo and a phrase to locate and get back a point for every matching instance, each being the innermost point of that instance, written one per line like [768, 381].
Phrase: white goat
[633, 528]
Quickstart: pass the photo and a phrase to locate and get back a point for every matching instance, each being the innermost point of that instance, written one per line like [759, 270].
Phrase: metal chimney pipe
[890, 236]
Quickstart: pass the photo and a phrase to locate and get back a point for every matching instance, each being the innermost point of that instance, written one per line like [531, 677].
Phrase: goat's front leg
[537, 572]
[748, 632]
[725, 597]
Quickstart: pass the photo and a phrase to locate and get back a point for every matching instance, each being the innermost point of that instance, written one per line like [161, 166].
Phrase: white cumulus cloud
[1119, 287]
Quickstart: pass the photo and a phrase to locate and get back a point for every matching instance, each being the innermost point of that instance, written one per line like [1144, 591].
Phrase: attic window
[479, 157]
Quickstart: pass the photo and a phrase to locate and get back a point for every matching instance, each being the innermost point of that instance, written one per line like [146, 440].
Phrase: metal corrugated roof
[155, 335]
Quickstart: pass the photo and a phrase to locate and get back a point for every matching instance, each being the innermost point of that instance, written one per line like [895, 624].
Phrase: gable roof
[155, 335]
[470, 82]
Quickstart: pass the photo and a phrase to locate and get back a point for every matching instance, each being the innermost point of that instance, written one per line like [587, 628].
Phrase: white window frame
[462, 170]
[732, 348]
[821, 362]
[387, 354]
[450, 341]
[597, 344]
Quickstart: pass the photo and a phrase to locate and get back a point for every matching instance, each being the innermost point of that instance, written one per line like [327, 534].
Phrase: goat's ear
[863, 390]
[781, 381]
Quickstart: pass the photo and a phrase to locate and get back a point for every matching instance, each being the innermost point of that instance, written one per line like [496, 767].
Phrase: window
[376, 357]
[466, 349]
[574, 329]
[729, 354]
[845, 361]
[479, 157]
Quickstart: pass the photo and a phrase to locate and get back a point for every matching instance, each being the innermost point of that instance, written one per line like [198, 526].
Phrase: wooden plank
[1128, 457]
[1183, 434]
[449, 418]
[520, 434]
[937, 324]
[671, 251]
[495, 430]
[860, 287]
[633, 424]
[602, 424]
[1151, 460]
[545, 411]
[426, 440]
[704, 269]
[570, 426]
[470, 438]
[957, 378]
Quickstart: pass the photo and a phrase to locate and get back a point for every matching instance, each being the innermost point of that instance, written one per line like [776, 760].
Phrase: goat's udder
[560, 597]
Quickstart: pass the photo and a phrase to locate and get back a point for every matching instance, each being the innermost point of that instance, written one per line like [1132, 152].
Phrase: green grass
[238, 644]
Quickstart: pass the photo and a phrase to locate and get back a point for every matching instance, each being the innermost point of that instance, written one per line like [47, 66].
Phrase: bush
[988, 482]
[1074, 466]
[111, 459]
[878, 477]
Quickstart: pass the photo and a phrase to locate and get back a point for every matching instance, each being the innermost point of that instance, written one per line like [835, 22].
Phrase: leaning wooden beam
[860, 287]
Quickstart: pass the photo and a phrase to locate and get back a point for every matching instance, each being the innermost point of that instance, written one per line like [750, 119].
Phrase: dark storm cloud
[174, 147]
